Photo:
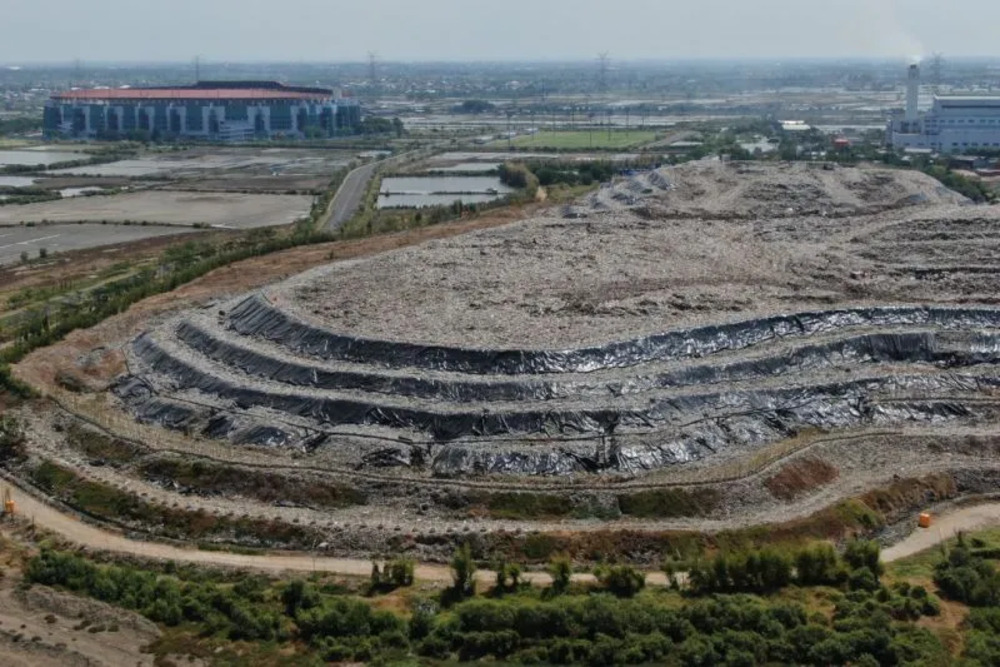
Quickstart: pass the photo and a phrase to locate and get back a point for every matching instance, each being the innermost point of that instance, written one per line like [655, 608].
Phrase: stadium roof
[204, 90]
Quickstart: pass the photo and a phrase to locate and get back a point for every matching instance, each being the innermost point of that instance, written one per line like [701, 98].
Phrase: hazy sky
[346, 30]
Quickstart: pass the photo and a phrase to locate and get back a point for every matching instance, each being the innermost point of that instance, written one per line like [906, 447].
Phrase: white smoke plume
[880, 29]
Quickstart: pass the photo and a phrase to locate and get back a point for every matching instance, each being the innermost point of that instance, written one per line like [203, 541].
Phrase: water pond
[421, 192]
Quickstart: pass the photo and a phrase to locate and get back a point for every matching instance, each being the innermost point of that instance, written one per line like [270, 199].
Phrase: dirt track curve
[98, 539]
[92, 537]
[945, 527]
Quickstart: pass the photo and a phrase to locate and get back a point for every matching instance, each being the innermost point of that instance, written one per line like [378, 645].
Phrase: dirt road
[943, 528]
[349, 195]
[92, 537]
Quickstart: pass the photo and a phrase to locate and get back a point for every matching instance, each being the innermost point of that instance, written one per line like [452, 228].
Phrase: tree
[399, 572]
[671, 573]
[561, 570]
[508, 576]
[818, 565]
[621, 580]
[463, 571]
[864, 554]
[298, 595]
[397, 125]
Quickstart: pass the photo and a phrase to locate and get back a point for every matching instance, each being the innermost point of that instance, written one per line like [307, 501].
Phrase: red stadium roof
[186, 94]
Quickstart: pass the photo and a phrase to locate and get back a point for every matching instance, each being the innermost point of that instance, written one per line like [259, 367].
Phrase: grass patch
[213, 478]
[532, 506]
[583, 139]
[528, 506]
[800, 477]
[97, 445]
[669, 503]
[105, 502]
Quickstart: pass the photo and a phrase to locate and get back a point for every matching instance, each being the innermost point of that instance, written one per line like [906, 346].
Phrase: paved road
[349, 195]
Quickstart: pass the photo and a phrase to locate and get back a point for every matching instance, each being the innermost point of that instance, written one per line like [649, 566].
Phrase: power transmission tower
[77, 73]
[372, 67]
[603, 62]
[937, 72]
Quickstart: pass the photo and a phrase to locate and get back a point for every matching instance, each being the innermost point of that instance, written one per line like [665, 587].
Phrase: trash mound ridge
[711, 188]
[697, 243]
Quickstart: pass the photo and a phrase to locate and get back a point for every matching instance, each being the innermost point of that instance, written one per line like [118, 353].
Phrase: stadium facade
[210, 110]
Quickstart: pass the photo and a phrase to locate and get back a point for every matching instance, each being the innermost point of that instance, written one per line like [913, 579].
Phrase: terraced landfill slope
[693, 315]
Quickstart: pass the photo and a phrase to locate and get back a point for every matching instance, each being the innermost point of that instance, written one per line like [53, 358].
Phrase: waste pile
[694, 312]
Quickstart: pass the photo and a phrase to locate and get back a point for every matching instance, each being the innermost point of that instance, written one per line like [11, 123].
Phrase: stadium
[216, 110]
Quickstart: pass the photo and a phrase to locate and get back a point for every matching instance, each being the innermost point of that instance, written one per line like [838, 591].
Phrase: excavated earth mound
[693, 313]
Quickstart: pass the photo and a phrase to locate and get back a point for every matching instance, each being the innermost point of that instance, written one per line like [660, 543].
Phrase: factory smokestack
[912, 93]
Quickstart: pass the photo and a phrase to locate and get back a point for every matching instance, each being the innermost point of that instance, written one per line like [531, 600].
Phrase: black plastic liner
[823, 405]
[868, 348]
[152, 409]
[694, 442]
[255, 316]
[631, 453]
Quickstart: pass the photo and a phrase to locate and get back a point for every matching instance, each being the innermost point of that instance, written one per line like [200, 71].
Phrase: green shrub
[561, 571]
[818, 565]
[463, 572]
[968, 578]
[757, 571]
[621, 580]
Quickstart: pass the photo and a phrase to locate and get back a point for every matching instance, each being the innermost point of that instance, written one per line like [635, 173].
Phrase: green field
[583, 139]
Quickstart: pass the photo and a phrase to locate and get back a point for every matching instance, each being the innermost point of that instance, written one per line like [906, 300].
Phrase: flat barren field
[175, 208]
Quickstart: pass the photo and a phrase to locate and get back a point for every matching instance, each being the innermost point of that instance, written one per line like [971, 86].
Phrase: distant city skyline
[479, 30]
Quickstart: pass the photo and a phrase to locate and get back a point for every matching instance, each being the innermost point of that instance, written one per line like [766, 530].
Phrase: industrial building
[211, 110]
[952, 125]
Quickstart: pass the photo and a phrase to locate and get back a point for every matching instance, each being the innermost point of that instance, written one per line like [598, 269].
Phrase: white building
[953, 125]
